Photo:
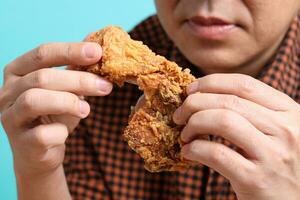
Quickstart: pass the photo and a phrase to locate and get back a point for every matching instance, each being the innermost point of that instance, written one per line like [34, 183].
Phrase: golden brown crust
[151, 131]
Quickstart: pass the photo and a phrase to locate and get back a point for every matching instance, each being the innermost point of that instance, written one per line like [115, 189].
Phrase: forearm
[46, 187]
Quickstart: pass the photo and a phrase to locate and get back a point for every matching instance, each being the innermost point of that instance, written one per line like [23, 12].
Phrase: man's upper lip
[208, 21]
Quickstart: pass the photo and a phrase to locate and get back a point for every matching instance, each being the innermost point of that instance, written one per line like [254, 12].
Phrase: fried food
[151, 131]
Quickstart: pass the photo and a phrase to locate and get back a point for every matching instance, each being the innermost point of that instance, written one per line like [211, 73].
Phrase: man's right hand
[41, 105]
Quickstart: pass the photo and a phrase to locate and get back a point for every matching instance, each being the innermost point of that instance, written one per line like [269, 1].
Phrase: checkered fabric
[100, 165]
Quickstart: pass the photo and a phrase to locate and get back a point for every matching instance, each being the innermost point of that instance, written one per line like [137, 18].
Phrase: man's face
[226, 35]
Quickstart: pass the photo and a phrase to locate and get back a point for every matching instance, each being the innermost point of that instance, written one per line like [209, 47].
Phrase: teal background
[26, 24]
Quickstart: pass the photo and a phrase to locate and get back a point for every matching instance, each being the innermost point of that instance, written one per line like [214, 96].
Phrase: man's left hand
[260, 120]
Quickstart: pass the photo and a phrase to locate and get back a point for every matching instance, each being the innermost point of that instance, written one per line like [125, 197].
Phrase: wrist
[34, 174]
[25, 169]
[49, 185]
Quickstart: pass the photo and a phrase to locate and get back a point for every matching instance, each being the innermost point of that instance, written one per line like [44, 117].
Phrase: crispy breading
[151, 131]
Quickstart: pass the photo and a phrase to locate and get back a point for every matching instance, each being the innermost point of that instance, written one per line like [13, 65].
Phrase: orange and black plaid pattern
[100, 165]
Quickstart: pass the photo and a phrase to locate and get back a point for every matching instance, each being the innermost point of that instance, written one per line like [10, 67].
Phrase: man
[246, 55]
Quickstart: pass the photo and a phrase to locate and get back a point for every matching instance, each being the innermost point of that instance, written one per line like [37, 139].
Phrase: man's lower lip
[212, 32]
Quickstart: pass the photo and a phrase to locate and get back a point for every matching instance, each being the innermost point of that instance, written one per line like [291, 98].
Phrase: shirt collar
[283, 71]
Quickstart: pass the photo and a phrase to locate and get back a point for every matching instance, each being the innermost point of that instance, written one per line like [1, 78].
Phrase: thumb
[140, 103]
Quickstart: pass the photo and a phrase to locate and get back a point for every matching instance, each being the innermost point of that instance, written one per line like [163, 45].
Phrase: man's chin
[210, 65]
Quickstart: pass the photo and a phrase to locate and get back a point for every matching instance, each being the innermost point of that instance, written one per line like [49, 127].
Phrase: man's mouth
[210, 28]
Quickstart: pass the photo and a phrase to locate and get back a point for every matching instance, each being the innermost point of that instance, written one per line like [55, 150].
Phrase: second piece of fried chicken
[151, 131]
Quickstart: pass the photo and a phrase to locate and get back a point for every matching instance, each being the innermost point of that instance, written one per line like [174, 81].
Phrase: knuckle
[85, 82]
[28, 99]
[67, 52]
[226, 120]
[284, 156]
[41, 78]
[6, 71]
[194, 147]
[218, 154]
[69, 102]
[292, 133]
[210, 80]
[64, 131]
[75, 103]
[246, 84]
[3, 99]
[40, 136]
[246, 179]
[40, 53]
[193, 122]
[4, 118]
[190, 103]
[260, 182]
[230, 101]
[264, 181]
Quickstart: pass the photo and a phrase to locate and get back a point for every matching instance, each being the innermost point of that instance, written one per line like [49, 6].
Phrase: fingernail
[90, 51]
[192, 88]
[183, 136]
[103, 85]
[84, 107]
[184, 152]
[176, 115]
[183, 139]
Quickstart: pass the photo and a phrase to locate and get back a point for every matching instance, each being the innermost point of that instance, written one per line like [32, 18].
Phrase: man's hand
[40, 106]
[263, 122]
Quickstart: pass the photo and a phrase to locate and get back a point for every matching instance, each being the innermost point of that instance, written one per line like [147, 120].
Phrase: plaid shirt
[100, 165]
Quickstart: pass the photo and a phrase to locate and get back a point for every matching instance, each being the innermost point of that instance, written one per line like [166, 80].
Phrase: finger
[46, 136]
[56, 54]
[86, 39]
[38, 102]
[217, 156]
[81, 83]
[245, 87]
[140, 103]
[262, 118]
[228, 125]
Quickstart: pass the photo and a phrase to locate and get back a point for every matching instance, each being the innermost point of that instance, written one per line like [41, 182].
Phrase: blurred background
[27, 24]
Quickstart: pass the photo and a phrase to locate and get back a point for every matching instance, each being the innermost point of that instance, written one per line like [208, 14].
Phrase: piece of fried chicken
[151, 131]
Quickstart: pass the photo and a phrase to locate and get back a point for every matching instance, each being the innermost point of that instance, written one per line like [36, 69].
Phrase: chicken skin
[151, 131]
